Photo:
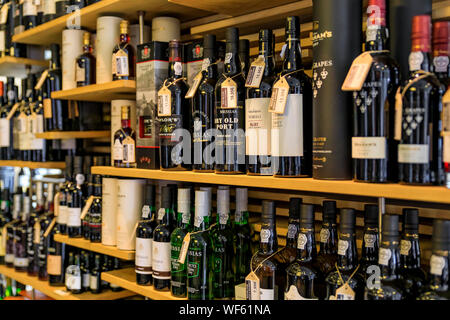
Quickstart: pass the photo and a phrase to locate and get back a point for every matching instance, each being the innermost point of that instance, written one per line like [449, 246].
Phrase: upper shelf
[103, 92]
[16, 67]
[390, 191]
[50, 32]
[50, 135]
[32, 165]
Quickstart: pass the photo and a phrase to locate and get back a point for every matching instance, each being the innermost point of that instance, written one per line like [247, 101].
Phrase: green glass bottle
[242, 237]
[199, 256]
[222, 244]
[178, 270]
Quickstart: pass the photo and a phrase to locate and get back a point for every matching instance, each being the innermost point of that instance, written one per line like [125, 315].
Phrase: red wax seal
[421, 33]
[377, 12]
[441, 38]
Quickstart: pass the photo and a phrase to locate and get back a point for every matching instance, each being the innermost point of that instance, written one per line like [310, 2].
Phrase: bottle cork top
[329, 210]
[410, 220]
[421, 33]
[223, 201]
[201, 203]
[306, 216]
[294, 208]
[390, 227]
[268, 210]
[347, 220]
[241, 199]
[371, 215]
[184, 200]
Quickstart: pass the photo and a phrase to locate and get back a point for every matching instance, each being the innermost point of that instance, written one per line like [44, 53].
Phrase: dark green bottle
[222, 244]
[199, 256]
[178, 270]
[242, 240]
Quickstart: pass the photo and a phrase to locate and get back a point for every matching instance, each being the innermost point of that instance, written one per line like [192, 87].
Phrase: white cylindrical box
[129, 205]
[72, 47]
[134, 35]
[165, 29]
[109, 211]
[107, 37]
[116, 107]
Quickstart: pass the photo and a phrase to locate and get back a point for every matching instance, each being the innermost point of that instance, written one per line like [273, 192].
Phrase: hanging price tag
[193, 89]
[358, 72]
[86, 207]
[37, 232]
[344, 292]
[184, 248]
[164, 102]
[398, 115]
[279, 97]
[228, 94]
[50, 227]
[256, 72]
[252, 287]
[13, 110]
[120, 63]
[41, 80]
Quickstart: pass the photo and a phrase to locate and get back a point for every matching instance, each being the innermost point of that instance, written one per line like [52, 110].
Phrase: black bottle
[371, 241]
[327, 256]
[75, 200]
[95, 278]
[290, 251]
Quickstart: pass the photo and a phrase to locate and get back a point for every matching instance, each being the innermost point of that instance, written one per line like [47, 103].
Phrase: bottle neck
[266, 50]
[175, 63]
[369, 251]
[439, 270]
[268, 237]
[328, 237]
[241, 217]
[292, 55]
[389, 259]
[292, 235]
[183, 220]
[232, 64]
[420, 57]
[201, 223]
[124, 38]
[347, 251]
[223, 220]
[126, 123]
[410, 250]
[87, 48]
[376, 38]
[166, 217]
[306, 245]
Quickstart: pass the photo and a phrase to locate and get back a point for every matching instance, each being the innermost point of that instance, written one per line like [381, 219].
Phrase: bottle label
[371, 32]
[415, 61]
[342, 247]
[145, 211]
[73, 217]
[161, 213]
[413, 153]
[49, 7]
[223, 218]
[20, 262]
[164, 102]
[161, 260]
[447, 149]
[117, 150]
[405, 246]
[143, 256]
[266, 294]
[47, 103]
[54, 265]
[120, 64]
[441, 63]
[29, 8]
[228, 57]
[280, 94]
[86, 280]
[178, 68]
[257, 126]
[63, 214]
[80, 73]
[293, 294]
[369, 240]
[324, 235]
[384, 256]
[129, 155]
[287, 129]
[68, 144]
[265, 235]
[369, 147]
[94, 282]
[2, 40]
[75, 282]
[186, 217]
[302, 240]
[292, 231]
[9, 258]
[80, 178]
[4, 132]
[437, 265]
[38, 127]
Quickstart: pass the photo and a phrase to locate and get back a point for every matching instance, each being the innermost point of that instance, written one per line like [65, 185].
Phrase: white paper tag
[358, 72]
[255, 73]
[164, 102]
[196, 82]
[228, 94]
[437, 265]
[279, 97]
[184, 248]
[252, 287]
[302, 240]
[161, 213]
[415, 61]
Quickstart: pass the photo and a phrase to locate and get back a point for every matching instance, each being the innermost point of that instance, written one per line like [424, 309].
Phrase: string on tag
[240, 73]
[264, 260]
[173, 82]
[186, 240]
[350, 278]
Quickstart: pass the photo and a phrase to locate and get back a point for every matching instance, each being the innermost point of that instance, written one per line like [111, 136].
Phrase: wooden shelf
[16, 67]
[50, 32]
[390, 191]
[73, 135]
[126, 278]
[96, 247]
[58, 292]
[441, 10]
[104, 92]
[32, 165]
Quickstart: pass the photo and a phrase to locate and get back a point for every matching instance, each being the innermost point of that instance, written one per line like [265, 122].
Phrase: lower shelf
[32, 165]
[58, 292]
[126, 278]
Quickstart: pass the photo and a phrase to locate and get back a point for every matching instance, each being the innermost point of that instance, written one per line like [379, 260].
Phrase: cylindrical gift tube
[129, 205]
[165, 29]
[109, 211]
[72, 47]
[336, 43]
[107, 37]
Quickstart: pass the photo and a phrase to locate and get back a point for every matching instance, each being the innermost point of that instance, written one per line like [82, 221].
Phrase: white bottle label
[447, 149]
[120, 64]
[129, 150]
[293, 294]
[437, 265]
[267, 294]
[2, 40]
[265, 235]
[441, 63]
[76, 282]
[86, 280]
[370, 239]
[413, 153]
[4, 133]
[384, 256]
[63, 213]
[369, 147]
[143, 256]
[342, 247]
[292, 231]
[20, 262]
[257, 126]
[118, 150]
[302, 240]
[405, 246]
[80, 75]
[287, 129]
[94, 284]
[73, 217]
[415, 61]
[178, 68]
[38, 127]
[324, 235]
[161, 260]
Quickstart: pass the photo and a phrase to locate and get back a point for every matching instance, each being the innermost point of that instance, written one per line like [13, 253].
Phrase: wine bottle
[438, 275]
[390, 284]
[95, 212]
[370, 241]
[12, 95]
[76, 277]
[29, 14]
[45, 222]
[123, 56]
[56, 260]
[327, 256]
[14, 27]
[374, 149]
[242, 237]
[38, 146]
[303, 276]
[95, 277]
[419, 128]
[441, 51]
[257, 116]
[178, 269]
[173, 113]
[199, 256]
[4, 45]
[161, 242]
[85, 272]
[75, 198]
[230, 111]
[21, 246]
[33, 220]
[124, 150]
[61, 7]
[290, 251]
[144, 238]
[85, 64]
[4, 124]
[291, 143]
[344, 283]
[61, 220]
[11, 230]
[222, 246]
[410, 254]
[17, 8]
[202, 105]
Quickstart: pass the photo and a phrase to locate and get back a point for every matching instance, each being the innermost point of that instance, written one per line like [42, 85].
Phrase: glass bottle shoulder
[178, 235]
[144, 229]
[302, 270]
